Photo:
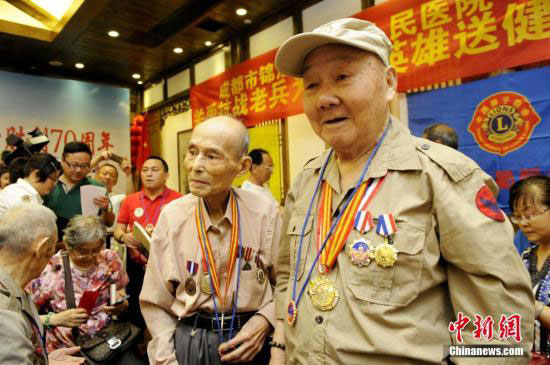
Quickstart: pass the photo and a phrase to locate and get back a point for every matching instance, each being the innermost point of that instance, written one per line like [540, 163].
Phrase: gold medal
[149, 228]
[205, 285]
[260, 276]
[385, 255]
[323, 293]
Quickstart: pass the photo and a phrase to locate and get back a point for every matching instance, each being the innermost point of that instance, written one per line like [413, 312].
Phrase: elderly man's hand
[278, 357]
[248, 342]
[69, 318]
[102, 202]
[126, 166]
[63, 356]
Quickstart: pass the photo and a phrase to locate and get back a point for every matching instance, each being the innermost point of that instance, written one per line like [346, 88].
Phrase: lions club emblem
[503, 122]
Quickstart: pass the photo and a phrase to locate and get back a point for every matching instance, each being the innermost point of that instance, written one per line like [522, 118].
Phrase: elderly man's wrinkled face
[212, 161]
[346, 95]
[108, 175]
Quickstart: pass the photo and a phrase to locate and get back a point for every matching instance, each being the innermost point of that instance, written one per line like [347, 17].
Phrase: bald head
[234, 130]
[216, 154]
[442, 134]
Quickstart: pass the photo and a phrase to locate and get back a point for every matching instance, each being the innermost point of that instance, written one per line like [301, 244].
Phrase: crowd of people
[385, 244]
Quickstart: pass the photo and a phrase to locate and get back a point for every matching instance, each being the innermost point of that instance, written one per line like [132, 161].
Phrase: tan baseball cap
[353, 32]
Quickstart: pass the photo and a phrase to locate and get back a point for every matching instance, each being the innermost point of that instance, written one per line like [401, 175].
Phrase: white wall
[303, 144]
[327, 10]
[153, 95]
[210, 67]
[271, 37]
[173, 125]
[179, 82]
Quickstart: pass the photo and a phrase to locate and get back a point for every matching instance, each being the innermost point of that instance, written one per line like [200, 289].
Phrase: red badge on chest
[487, 204]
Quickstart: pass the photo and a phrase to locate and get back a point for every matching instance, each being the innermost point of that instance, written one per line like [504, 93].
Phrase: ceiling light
[178, 50]
[207, 43]
[79, 65]
[113, 33]
[140, 82]
[136, 76]
[247, 21]
[55, 63]
[241, 11]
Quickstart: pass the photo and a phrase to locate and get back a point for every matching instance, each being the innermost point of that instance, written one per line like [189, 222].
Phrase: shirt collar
[163, 194]
[208, 222]
[397, 152]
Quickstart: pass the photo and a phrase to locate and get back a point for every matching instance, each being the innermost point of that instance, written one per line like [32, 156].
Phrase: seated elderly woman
[93, 268]
[530, 204]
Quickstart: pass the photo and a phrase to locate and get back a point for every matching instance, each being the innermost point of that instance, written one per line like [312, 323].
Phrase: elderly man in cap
[207, 295]
[390, 240]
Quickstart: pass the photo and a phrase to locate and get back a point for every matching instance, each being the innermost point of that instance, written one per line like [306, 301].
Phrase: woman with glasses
[93, 268]
[530, 204]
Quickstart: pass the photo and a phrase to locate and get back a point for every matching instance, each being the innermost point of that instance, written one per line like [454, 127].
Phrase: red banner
[253, 91]
[441, 40]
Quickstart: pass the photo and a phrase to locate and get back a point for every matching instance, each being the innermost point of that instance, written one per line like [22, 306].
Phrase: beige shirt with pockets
[452, 258]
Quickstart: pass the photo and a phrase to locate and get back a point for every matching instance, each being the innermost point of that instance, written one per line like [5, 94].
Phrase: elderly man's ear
[44, 247]
[245, 164]
[391, 82]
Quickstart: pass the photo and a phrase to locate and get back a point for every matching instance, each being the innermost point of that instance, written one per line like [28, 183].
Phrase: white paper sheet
[87, 195]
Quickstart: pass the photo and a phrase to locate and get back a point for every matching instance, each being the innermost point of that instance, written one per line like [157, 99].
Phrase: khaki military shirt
[20, 328]
[164, 297]
[452, 258]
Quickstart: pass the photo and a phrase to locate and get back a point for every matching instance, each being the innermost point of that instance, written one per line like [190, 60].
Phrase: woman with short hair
[93, 268]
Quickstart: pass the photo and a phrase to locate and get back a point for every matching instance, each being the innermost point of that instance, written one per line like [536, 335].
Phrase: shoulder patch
[487, 204]
[456, 165]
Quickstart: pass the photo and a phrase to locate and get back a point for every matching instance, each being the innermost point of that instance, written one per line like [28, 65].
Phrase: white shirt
[20, 192]
[247, 185]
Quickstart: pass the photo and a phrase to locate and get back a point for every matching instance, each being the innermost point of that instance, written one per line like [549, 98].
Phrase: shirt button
[319, 319]
[425, 146]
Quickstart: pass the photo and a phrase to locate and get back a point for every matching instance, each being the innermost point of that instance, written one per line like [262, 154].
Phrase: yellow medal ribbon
[208, 259]
[341, 232]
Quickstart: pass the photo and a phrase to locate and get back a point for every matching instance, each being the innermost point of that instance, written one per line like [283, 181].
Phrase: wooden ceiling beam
[31, 9]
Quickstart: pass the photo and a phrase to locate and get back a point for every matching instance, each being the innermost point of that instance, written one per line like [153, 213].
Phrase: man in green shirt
[64, 200]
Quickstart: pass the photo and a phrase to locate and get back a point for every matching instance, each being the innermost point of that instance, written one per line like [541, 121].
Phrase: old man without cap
[211, 259]
[436, 242]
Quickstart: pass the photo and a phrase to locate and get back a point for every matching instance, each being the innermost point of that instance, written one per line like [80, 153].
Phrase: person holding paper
[143, 207]
[93, 270]
[65, 199]
[207, 296]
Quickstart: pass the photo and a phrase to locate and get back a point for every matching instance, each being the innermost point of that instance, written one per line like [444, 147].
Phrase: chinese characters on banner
[98, 141]
[253, 91]
[440, 40]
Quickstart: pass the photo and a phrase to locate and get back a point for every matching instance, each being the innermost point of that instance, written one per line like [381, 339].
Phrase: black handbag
[108, 343]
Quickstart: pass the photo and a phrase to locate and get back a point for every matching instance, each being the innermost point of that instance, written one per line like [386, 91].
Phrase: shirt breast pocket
[294, 231]
[399, 284]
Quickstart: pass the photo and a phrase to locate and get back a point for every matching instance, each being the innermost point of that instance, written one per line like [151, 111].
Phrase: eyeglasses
[74, 165]
[528, 219]
[87, 253]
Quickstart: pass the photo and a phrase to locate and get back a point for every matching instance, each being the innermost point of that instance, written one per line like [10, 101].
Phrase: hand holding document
[87, 195]
[141, 235]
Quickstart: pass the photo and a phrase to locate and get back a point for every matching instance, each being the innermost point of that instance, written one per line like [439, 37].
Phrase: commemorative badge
[323, 293]
[149, 228]
[138, 212]
[260, 276]
[359, 252]
[247, 257]
[190, 286]
[26, 198]
[385, 255]
[291, 313]
[192, 267]
[503, 122]
[205, 285]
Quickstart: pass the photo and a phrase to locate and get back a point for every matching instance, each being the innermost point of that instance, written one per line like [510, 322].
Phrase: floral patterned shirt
[48, 293]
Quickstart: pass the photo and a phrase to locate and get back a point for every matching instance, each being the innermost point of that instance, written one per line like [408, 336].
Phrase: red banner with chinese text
[253, 91]
[440, 40]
